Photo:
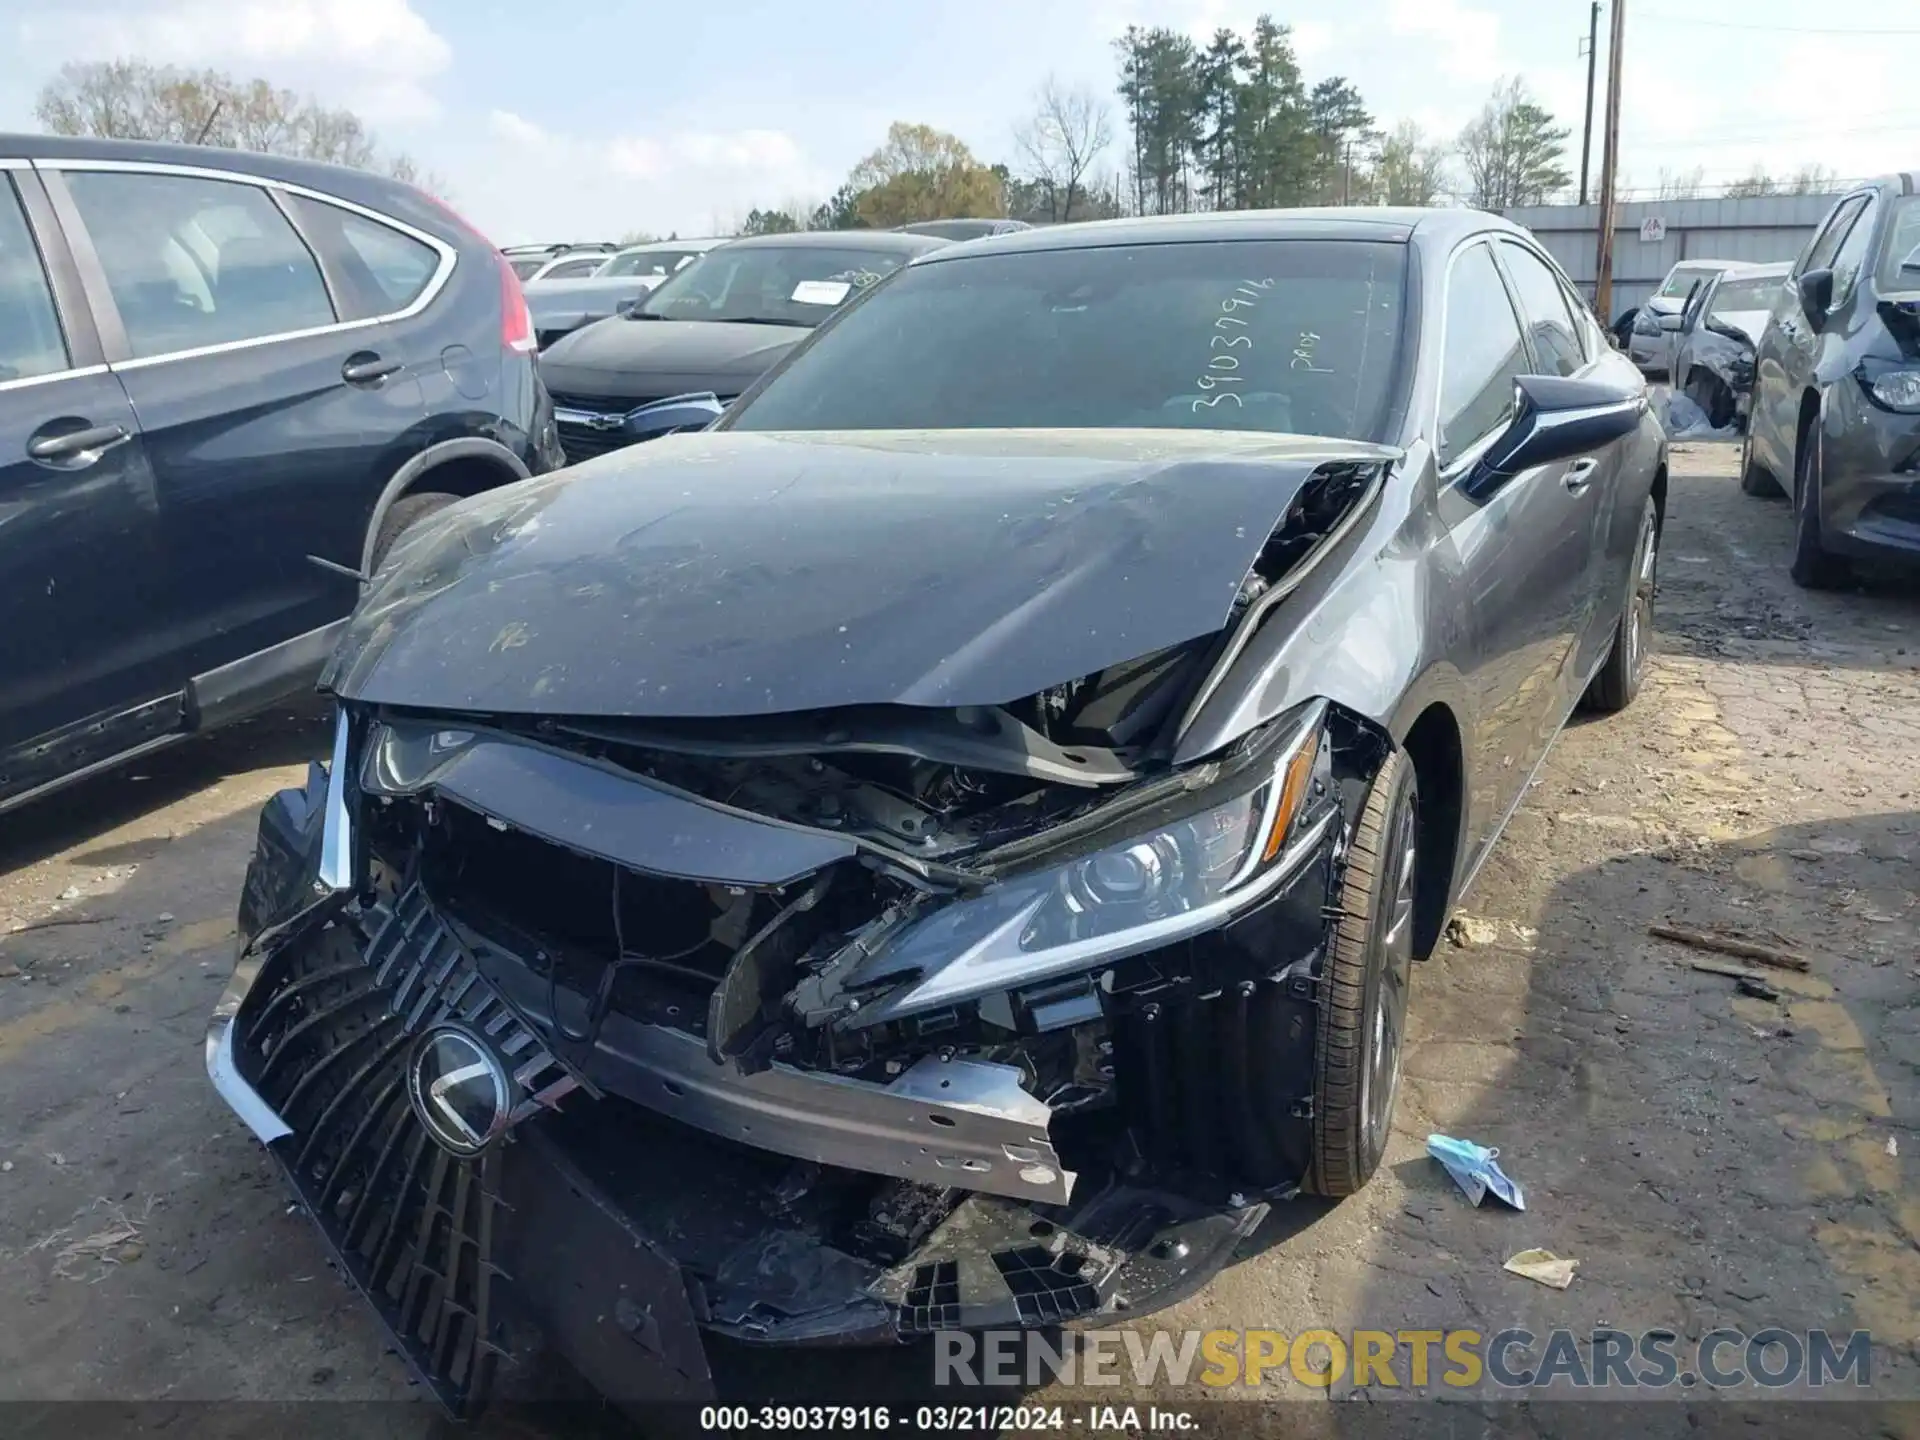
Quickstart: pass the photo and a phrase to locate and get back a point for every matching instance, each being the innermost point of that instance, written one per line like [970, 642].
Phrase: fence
[1752, 229]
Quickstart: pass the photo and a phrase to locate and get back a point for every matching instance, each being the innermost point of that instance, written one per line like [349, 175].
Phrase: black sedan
[676, 359]
[958, 834]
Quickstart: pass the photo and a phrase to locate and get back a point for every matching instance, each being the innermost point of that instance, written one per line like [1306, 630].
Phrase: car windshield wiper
[767, 320]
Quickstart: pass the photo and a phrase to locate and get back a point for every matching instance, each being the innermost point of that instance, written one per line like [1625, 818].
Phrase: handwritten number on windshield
[1221, 368]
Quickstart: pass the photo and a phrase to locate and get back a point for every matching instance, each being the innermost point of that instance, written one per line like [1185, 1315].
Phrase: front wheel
[1619, 679]
[1363, 989]
[1754, 479]
[1813, 567]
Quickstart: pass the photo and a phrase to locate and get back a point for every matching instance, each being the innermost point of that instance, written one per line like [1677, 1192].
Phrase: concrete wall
[1762, 228]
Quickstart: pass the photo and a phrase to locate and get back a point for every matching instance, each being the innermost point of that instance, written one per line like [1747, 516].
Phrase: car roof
[702, 243]
[881, 240]
[1439, 226]
[362, 186]
[1760, 270]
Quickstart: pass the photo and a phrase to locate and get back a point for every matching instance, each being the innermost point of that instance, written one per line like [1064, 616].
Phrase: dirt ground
[1711, 1160]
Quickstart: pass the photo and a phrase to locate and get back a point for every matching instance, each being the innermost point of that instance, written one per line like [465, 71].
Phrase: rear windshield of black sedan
[1298, 336]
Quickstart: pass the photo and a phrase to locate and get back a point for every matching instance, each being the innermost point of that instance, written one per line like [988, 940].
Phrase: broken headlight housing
[1168, 880]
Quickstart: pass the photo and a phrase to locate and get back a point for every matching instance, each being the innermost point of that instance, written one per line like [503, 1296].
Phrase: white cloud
[376, 56]
[514, 129]
[676, 180]
[1468, 39]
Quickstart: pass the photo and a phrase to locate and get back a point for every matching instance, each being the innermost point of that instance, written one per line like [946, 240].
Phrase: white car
[1647, 345]
[561, 304]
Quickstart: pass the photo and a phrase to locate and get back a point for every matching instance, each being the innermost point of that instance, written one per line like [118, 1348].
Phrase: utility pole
[1586, 127]
[1609, 168]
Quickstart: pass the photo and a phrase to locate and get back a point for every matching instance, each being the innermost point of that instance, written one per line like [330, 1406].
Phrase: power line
[1669, 19]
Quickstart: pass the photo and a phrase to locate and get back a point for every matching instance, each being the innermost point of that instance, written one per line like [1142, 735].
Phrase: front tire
[1755, 479]
[405, 513]
[1363, 989]
[1618, 681]
[1813, 567]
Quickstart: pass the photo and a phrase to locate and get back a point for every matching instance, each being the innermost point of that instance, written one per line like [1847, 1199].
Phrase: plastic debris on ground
[1685, 420]
[1476, 1170]
[1544, 1266]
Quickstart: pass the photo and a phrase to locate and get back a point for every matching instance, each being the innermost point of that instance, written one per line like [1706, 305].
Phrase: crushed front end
[713, 1077]
[584, 1035]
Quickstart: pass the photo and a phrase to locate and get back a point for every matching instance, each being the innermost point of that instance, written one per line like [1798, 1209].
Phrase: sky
[595, 121]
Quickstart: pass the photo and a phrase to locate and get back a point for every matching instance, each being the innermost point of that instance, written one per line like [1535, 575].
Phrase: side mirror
[1816, 295]
[1556, 419]
[626, 306]
[1672, 323]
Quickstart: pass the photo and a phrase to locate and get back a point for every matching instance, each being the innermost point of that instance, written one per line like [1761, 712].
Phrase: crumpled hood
[731, 574]
[622, 359]
[1750, 323]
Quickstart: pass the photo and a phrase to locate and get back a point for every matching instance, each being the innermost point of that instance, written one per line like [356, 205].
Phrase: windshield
[773, 284]
[1680, 280]
[526, 265]
[647, 262]
[1757, 293]
[1299, 336]
[1900, 270]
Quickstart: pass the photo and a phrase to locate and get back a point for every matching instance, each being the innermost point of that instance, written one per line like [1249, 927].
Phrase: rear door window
[193, 262]
[30, 340]
[381, 269]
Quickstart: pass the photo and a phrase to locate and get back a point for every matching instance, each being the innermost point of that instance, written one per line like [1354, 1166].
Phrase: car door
[1524, 545]
[1679, 341]
[1784, 361]
[271, 425]
[82, 672]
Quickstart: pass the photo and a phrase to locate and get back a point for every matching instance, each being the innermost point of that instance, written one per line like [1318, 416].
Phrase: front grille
[325, 1036]
[579, 443]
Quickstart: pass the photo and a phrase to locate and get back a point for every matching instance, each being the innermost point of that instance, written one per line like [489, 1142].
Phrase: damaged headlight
[1181, 877]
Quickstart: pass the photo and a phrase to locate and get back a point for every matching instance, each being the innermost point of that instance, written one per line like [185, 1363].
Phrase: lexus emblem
[460, 1089]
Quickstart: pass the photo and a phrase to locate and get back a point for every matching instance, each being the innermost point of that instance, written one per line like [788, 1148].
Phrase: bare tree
[135, 100]
[1067, 132]
[1681, 184]
[1513, 152]
[1408, 169]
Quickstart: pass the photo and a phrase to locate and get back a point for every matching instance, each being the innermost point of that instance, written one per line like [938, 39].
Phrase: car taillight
[516, 321]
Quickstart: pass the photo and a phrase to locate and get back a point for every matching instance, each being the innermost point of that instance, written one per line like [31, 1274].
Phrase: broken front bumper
[612, 1233]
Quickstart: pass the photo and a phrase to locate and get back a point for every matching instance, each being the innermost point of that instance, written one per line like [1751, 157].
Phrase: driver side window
[1482, 354]
[1820, 254]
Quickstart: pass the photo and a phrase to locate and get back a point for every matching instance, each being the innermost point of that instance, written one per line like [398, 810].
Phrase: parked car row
[562, 304]
[678, 357]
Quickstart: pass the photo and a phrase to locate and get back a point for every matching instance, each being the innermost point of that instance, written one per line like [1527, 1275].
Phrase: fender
[469, 447]
[1353, 632]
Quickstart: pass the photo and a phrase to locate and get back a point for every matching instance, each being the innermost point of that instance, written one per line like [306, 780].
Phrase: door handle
[1580, 475]
[85, 446]
[367, 369]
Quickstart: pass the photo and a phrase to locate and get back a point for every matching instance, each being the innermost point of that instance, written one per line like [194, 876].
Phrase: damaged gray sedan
[948, 846]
